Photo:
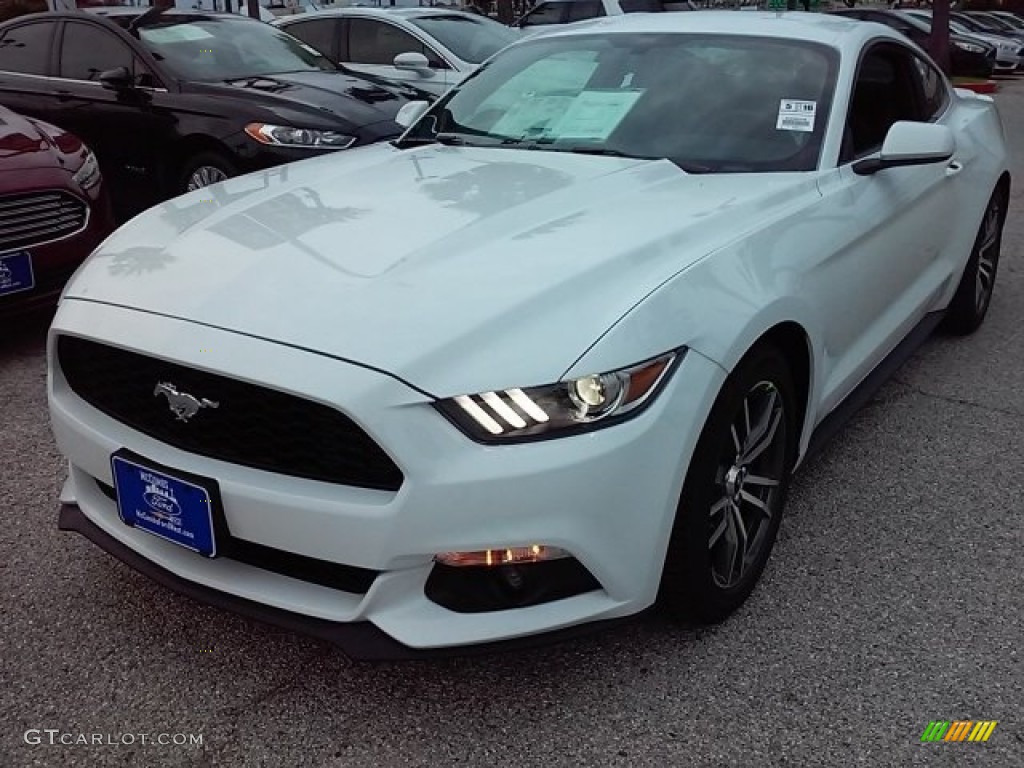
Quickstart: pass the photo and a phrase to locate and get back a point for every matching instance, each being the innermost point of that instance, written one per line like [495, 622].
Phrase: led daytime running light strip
[501, 409]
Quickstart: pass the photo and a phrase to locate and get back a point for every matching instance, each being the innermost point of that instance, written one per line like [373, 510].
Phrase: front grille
[347, 578]
[251, 425]
[31, 218]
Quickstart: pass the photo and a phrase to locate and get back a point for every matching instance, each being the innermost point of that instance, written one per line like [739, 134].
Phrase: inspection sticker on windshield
[796, 115]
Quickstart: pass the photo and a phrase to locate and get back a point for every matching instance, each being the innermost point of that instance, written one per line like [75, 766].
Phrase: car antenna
[152, 13]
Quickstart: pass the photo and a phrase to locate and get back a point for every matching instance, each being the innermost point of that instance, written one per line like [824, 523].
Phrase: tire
[973, 296]
[703, 580]
[203, 169]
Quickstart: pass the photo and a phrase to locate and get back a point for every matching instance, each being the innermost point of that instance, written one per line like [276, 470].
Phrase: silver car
[429, 48]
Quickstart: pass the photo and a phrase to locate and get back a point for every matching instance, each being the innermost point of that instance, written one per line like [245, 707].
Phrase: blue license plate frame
[179, 507]
[16, 273]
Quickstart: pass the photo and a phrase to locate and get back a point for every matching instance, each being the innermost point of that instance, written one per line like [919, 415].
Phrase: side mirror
[909, 143]
[117, 79]
[414, 62]
[411, 112]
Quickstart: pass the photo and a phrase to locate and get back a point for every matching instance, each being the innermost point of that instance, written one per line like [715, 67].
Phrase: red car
[53, 210]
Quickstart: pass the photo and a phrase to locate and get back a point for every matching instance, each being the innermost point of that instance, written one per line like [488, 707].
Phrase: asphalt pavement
[894, 597]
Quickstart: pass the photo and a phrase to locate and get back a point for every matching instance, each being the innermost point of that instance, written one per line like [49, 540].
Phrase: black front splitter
[362, 641]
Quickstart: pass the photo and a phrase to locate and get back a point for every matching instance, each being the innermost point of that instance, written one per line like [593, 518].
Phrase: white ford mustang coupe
[549, 359]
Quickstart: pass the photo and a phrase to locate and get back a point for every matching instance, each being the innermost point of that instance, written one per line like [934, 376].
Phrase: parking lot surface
[894, 597]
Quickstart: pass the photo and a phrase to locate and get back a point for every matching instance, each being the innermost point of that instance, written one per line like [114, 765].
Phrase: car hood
[354, 99]
[451, 268]
[24, 146]
[971, 38]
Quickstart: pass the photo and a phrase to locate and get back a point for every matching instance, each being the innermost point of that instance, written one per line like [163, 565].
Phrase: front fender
[714, 309]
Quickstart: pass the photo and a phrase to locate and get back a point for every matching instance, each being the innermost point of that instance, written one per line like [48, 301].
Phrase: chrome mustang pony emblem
[184, 405]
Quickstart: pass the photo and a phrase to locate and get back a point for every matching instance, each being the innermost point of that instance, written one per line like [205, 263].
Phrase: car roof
[828, 29]
[120, 11]
[407, 13]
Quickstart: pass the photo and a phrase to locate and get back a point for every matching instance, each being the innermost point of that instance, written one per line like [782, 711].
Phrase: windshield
[996, 23]
[227, 48]
[972, 23]
[915, 20]
[1012, 21]
[925, 18]
[471, 39]
[648, 96]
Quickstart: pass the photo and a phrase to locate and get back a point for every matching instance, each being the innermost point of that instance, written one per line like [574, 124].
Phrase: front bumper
[55, 261]
[1006, 62]
[607, 497]
[360, 640]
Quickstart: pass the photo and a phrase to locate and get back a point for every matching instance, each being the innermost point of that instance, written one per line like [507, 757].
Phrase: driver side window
[377, 42]
[887, 89]
[86, 51]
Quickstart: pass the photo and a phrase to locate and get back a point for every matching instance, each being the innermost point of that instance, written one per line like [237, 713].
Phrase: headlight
[287, 136]
[555, 410]
[88, 175]
[970, 47]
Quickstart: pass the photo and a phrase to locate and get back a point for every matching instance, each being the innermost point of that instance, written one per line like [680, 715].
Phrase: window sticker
[179, 33]
[795, 115]
[595, 114]
[532, 116]
[591, 115]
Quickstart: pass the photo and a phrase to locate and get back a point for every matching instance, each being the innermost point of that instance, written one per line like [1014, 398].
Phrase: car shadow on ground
[25, 334]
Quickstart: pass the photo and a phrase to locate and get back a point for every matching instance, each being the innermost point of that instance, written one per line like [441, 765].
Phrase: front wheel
[204, 169]
[734, 492]
[973, 296]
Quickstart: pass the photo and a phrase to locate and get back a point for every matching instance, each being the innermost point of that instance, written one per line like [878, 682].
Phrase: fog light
[535, 553]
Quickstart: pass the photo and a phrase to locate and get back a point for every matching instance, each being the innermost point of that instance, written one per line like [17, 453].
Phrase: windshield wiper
[608, 152]
[448, 139]
[545, 144]
[551, 144]
[603, 151]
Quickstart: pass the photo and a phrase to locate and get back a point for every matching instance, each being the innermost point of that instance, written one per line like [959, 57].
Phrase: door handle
[63, 95]
[954, 167]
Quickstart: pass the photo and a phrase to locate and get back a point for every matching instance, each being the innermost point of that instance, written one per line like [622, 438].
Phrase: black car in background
[171, 101]
[969, 56]
[982, 22]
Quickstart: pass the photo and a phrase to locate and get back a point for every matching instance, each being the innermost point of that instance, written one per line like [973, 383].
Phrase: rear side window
[26, 49]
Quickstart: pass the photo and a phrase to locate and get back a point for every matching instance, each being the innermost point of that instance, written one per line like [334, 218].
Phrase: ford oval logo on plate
[160, 502]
